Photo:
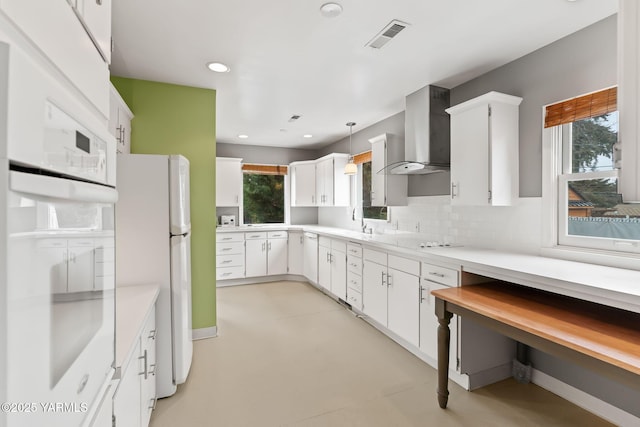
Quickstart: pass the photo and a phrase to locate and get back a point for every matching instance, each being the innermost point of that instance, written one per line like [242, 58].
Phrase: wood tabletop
[605, 333]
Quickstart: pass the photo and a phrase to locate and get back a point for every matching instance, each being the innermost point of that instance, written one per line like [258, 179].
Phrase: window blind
[582, 107]
[362, 157]
[264, 169]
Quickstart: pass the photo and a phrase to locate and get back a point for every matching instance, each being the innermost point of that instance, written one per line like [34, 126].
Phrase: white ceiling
[286, 58]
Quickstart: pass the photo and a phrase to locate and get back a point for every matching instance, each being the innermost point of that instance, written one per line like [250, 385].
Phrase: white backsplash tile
[516, 227]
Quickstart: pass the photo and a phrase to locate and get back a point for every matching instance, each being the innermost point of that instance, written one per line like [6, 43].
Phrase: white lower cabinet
[135, 396]
[354, 275]
[391, 291]
[403, 298]
[229, 256]
[295, 251]
[310, 263]
[332, 266]
[266, 253]
[429, 325]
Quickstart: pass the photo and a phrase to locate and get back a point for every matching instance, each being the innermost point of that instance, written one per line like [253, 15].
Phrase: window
[590, 210]
[263, 194]
[368, 211]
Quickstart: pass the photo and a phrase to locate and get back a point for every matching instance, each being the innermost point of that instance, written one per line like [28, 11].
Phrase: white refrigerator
[153, 245]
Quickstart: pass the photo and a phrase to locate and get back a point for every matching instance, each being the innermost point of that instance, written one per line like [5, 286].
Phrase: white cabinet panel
[127, 400]
[296, 252]
[96, 15]
[277, 256]
[256, 258]
[484, 150]
[228, 181]
[374, 292]
[59, 34]
[403, 294]
[387, 190]
[339, 272]
[120, 117]
[324, 267]
[310, 264]
[303, 184]
[429, 325]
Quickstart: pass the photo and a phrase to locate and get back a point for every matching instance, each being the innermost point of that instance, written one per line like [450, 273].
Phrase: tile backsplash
[432, 218]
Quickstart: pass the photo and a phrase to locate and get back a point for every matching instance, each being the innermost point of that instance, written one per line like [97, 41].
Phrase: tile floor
[287, 355]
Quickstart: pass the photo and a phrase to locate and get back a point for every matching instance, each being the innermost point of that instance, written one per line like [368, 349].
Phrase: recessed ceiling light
[218, 67]
[307, 136]
[330, 10]
[243, 136]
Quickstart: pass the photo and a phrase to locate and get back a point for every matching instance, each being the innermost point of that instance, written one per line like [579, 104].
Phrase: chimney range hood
[426, 132]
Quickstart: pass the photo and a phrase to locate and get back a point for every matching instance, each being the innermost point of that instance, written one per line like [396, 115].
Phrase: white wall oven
[57, 259]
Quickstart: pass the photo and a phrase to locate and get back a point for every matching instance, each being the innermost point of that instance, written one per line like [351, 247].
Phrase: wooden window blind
[582, 107]
[364, 157]
[264, 169]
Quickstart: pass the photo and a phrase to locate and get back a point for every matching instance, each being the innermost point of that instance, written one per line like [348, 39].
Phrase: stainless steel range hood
[426, 132]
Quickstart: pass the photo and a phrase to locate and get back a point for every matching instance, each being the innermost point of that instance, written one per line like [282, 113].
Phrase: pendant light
[350, 168]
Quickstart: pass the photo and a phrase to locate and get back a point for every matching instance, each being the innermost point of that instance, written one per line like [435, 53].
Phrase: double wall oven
[57, 261]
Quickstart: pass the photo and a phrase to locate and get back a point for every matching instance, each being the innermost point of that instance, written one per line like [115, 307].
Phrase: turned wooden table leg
[444, 336]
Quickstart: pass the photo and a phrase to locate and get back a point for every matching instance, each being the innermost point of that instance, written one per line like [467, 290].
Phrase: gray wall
[580, 63]
[264, 155]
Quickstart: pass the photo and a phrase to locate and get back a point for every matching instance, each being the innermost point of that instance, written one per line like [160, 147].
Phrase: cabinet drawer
[374, 256]
[442, 275]
[229, 273]
[229, 237]
[403, 264]
[354, 264]
[354, 298]
[324, 241]
[354, 250]
[354, 281]
[339, 245]
[277, 234]
[233, 248]
[254, 235]
[229, 260]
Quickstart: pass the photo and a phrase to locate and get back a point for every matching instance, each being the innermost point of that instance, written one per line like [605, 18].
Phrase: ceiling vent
[390, 31]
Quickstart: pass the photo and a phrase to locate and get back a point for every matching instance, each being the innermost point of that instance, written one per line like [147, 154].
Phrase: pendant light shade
[350, 168]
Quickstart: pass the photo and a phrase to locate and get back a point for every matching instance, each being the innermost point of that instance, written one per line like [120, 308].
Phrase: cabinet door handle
[152, 334]
[227, 274]
[263, 246]
[433, 273]
[301, 240]
[153, 369]
[389, 277]
[226, 249]
[226, 238]
[382, 280]
[226, 261]
[454, 186]
[269, 246]
[237, 198]
[144, 357]
[422, 298]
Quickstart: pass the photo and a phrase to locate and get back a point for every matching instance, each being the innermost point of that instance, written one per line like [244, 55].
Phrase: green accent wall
[172, 119]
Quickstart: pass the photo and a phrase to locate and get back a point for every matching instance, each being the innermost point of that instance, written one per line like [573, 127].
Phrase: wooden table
[598, 337]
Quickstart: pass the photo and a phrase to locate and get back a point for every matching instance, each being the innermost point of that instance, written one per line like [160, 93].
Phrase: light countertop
[611, 286]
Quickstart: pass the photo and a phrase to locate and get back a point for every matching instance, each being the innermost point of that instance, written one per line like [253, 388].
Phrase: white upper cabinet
[333, 187]
[387, 190]
[96, 16]
[228, 181]
[303, 183]
[56, 30]
[484, 150]
[629, 98]
[120, 117]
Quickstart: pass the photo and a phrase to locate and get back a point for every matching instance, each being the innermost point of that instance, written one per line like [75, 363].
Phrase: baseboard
[584, 400]
[202, 333]
[262, 279]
